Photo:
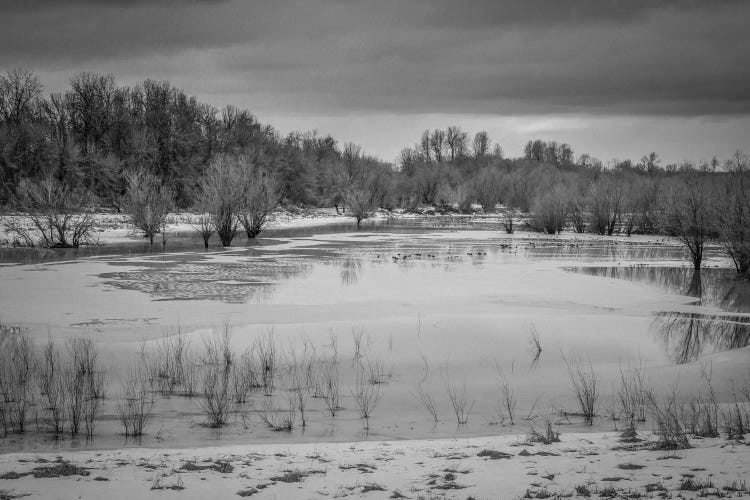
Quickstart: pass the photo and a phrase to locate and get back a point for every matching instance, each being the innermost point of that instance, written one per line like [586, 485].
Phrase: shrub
[16, 378]
[690, 214]
[428, 402]
[83, 383]
[733, 214]
[216, 381]
[550, 210]
[544, 434]
[585, 386]
[488, 188]
[507, 399]
[244, 376]
[58, 213]
[265, 346]
[49, 374]
[666, 414]
[136, 404]
[280, 419]
[205, 227]
[366, 395]
[148, 202]
[170, 364]
[459, 399]
[222, 195]
[361, 205]
[331, 391]
[260, 199]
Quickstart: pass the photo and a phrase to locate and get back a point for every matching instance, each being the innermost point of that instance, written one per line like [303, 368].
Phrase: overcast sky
[616, 78]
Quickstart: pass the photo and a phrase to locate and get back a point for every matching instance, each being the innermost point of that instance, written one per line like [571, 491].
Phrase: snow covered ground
[580, 465]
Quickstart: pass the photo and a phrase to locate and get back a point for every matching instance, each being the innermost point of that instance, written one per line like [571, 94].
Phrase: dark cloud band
[642, 57]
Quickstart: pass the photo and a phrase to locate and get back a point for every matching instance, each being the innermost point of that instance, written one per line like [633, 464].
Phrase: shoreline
[582, 464]
[111, 228]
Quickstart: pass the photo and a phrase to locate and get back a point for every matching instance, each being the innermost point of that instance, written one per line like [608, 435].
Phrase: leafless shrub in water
[300, 367]
[462, 403]
[736, 416]
[83, 383]
[280, 419]
[427, 401]
[58, 214]
[49, 380]
[205, 227]
[265, 347]
[666, 416]
[585, 386]
[216, 381]
[16, 378]
[366, 395]
[541, 429]
[507, 398]
[135, 407]
[700, 415]
[169, 364]
[244, 376]
[631, 394]
[376, 372]
[330, 379]
[91, 408]
[84, 359]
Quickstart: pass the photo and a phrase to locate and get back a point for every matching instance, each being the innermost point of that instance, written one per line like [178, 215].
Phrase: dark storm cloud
[587, 56]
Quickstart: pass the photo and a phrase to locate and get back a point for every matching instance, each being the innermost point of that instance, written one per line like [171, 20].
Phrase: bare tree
[361, 205]
[689, 214]
[488, 188]
[606, 202]
[456, 140]
[734, 213]
[148, 202]
[424, 146]
[205, 226]
[223, 196]
[16, 378]
[260, 200]
[550, 210]
[58, 213]
[19, 88]
[481, 145]
[437, 144]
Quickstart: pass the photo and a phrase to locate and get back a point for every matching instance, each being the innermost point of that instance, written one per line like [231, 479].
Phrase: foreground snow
[493, 467]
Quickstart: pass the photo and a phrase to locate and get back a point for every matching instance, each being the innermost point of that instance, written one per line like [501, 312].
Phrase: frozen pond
[436, 306]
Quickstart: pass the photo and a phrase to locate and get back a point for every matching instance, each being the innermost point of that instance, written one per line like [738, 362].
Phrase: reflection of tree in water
[687, 336]
[606, 250]
[235, 282]
[717, 287]
[350, 270]
[695, 287]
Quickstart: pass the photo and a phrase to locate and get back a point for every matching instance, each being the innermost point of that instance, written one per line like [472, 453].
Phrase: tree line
[151, 148]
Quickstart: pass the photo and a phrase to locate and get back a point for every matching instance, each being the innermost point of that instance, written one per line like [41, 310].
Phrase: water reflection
[687, 336]
[714, 287]
[350, 270]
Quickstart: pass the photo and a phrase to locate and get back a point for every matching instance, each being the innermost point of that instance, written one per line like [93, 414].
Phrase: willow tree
[689, 213]
[734, 213]
[148, 202]
[222, 195]
[260, 199]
